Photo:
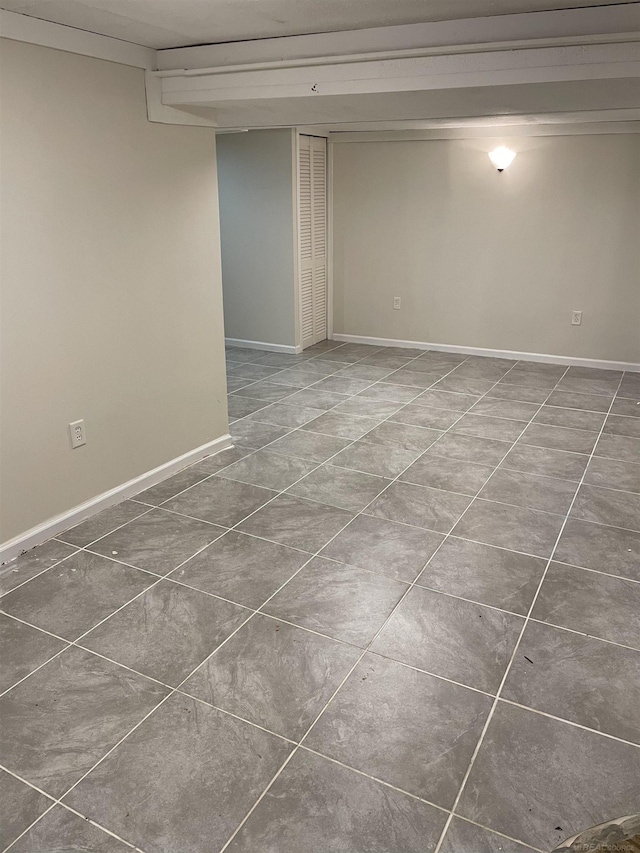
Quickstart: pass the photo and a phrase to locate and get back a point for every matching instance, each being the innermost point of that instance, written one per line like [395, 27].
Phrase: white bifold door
[312, 238]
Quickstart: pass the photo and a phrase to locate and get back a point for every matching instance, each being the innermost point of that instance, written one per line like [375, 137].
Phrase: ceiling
[179, 23]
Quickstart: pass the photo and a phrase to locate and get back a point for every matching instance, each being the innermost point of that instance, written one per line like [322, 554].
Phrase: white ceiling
[178, 23]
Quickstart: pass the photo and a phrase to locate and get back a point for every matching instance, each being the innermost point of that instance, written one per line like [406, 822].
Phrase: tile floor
[400, 616]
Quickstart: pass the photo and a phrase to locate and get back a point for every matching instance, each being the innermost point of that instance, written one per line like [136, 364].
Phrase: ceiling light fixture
[502, 157]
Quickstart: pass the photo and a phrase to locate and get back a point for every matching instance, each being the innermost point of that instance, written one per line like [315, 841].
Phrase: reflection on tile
[318, 805]
[513, 527]
[241, 568]
[273, 674]
[452, 475]
[76, 595]
[62, 830]
[577, 678]
[605, 549]
[569, 778]
[31, 563]
[484, 574]
[382, 546]
[595, 604]
[104, 522]
[298, 523]
[405, 727]
[166, 632]
[20, 805]
[340, 487]
[420, 506]
[450, 637]
[22, 649]
[66, 716]
[341, 601]
[157, 788]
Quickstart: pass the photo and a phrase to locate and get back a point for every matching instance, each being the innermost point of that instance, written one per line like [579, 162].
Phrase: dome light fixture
[502, 157]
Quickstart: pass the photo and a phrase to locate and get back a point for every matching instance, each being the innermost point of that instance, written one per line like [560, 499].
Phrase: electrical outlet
[77, 433]
[396, 303]
[576, 318]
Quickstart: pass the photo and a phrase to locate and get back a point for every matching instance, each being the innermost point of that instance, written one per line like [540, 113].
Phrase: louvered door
[312, 238]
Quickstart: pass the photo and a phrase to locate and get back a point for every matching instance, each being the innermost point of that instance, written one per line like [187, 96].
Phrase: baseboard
[237, 342]
[494, 353]
[39, 534]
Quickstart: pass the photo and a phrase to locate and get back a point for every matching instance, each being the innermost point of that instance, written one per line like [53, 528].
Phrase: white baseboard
[494, 353]
[39, 534]
[237, 342]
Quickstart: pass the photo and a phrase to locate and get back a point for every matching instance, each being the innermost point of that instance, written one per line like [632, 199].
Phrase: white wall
[111, 285]
[256, 223]
[491, 260]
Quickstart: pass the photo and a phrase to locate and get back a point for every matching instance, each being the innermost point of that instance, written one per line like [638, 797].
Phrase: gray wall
[111, 284]
[256, 225]
[491, 260]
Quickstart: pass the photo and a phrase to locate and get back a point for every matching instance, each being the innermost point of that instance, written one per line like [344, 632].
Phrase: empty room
[319, 426]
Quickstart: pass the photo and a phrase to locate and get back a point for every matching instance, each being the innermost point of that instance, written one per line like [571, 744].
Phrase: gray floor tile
[317, 805]
[393, 392]
[340, 487]
[453, 475]
[622, 447]
[157, 788]
[298, 523]
[410, 729]
[468, 448]
[586, 402]
[270, 391]
[630, 385]
[403, 435]
[568, 778]
[238, 407]
[426, 416]
[530, 490]
[283, 359]
[375, 459]
[513, 527]
[420, 506]
[343, 426]
[450, 637]
[281, 414]
[256, 434]
[583, 384]
[607, 506]
[393, 362]
[62, 830]
[462, 385]
[484, 426]
[22, 649]
[437, 357]
[309, 445]
[396, 550]
[367, 407]
[572, 418]
[577, 678]
[625, 406]
[452, 401]
[344, 602]
[159, 541]
[622, 425]
[273, 674]
[234, 383]
[365, 371]
[546, 462]
[218, 461]
[20, 805]
[595, 604]
[414, 378]
[220, 501]
[76, 595]
[559, 438]
[269, 470]
[519, 393]
[605, 549]
[256, 372]
[465, 837]
[31, 563]
[340, 384]
[613, 474]
[490, 372]
[66, 716]
[241, 568]
[172, 486]
[484, 574]
[527, 378]
[307, 374]
[514, 409]
[102, 523]
[167, 631]
[316, 399]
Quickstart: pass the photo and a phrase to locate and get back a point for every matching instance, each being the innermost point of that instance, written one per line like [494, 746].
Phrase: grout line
[515, 649]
